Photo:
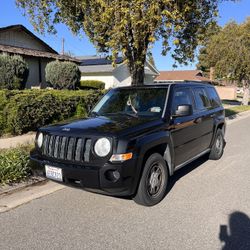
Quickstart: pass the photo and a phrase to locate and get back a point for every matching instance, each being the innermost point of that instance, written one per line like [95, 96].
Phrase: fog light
[112, 175]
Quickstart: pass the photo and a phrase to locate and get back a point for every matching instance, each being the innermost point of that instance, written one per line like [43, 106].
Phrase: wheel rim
[155, 179]
[219, 144]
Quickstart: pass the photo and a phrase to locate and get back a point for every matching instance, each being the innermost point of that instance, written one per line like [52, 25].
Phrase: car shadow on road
[185, 170]
[236, 235]
[178, 175]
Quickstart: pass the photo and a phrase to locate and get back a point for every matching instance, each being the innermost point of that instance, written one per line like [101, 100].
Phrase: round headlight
[40, 140]
[102, 147]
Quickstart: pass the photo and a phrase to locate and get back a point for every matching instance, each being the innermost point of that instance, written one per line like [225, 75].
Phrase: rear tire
[153, 184]
[217, 149]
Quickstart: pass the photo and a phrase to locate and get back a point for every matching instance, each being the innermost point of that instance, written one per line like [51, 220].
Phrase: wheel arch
[221, 125]
[155, 143]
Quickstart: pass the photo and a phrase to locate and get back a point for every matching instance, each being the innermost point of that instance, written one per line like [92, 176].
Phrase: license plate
[53, 173]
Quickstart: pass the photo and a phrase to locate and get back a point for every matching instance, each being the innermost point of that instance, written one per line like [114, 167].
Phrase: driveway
[207, 207]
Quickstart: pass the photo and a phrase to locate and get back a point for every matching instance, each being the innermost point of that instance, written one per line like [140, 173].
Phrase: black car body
[188, 126]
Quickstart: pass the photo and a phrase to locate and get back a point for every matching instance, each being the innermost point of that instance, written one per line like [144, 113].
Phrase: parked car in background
[240, 91]
[134, 140]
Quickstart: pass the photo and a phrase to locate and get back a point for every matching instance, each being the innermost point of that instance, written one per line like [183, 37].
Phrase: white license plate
[53, 173]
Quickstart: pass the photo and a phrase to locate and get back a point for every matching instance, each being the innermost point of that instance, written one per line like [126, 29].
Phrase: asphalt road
[207, 207]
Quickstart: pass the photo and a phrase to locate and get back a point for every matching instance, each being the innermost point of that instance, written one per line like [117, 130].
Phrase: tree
[228, 52]
[14, 72]
[129, 26]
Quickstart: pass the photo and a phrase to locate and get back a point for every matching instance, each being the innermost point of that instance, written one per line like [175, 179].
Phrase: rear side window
[201, 99]
[213, 97]
[182, 96]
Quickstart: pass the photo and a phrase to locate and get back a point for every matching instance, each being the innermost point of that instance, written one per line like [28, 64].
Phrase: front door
[183, 129]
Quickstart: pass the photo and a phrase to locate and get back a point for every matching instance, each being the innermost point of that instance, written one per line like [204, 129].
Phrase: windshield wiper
[95, 114]
[131, 115]
[121, 113]
[128, 114]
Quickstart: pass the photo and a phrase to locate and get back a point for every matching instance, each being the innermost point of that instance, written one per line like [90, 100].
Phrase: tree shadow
[236, 236]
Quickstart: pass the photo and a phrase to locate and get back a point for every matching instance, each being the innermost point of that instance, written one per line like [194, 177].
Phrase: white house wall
[149, 79]
[107, 78]
[122, 76]
[119, 77]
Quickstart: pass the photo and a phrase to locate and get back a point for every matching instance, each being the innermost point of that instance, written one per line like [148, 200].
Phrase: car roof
[166, 85]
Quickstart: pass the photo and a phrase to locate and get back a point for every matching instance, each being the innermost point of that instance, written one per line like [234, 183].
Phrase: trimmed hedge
[13, 72]
[91, 84]
[27, 110]
[62, 75]
[14, 164]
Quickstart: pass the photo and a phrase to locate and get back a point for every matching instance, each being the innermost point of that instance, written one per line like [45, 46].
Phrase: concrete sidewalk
[17, 140]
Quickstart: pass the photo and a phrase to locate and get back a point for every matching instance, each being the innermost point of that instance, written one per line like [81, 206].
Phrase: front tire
[153, 183]
[217, 149]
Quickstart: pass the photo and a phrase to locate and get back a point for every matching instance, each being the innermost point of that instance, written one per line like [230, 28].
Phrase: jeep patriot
[134, 140]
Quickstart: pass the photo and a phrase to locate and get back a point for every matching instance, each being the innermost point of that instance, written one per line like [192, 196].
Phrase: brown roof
[35, 53]
[182, 75]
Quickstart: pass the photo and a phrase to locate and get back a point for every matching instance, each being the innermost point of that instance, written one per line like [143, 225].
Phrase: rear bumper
[96, 178]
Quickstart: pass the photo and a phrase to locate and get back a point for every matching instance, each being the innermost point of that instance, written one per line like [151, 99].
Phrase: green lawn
[237, 109]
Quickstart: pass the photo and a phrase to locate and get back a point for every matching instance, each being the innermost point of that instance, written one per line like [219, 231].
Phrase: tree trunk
[137, 75]
[245, 99]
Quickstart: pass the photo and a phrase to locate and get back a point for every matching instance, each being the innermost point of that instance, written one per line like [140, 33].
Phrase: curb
[28, 194]
[22, 186]
[233, 118]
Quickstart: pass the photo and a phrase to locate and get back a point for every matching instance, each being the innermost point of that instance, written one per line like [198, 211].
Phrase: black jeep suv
[134, 140]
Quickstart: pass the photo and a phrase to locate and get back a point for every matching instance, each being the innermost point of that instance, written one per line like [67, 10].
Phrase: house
[16, 39]
[100, 68]
[181, 76]
[228, 92]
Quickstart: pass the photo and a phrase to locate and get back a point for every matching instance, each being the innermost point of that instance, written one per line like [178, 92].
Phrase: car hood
[107, 126]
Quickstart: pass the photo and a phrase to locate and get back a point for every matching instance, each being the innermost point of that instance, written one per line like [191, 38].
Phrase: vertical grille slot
[78, 151]
[56, 149]
[70, 151]
[63, 147]
[45, 144]
[51, 147]
[87, 150]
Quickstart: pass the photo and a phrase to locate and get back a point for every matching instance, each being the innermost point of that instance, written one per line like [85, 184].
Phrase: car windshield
[132, 102]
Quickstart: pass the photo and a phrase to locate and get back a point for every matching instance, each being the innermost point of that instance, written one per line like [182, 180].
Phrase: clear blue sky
[10, 14]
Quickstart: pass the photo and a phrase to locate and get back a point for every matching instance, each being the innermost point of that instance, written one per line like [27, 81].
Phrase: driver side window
[182, 96]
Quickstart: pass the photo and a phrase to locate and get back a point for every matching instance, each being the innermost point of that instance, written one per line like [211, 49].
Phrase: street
[207, 207]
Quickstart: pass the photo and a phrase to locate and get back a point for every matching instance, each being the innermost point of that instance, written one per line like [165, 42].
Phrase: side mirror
[183, 110]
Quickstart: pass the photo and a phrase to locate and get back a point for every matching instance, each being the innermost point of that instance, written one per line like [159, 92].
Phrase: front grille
[67, 148]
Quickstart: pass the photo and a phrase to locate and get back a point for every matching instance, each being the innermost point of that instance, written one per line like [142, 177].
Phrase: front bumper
[95, 178]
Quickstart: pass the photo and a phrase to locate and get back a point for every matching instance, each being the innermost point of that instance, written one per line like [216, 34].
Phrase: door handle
[198, 120]
[212, 115]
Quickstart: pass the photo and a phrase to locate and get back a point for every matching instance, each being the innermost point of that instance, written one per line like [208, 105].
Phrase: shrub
[13, 72]
[91, 84]
[28, 110]
[62, 75]
[14, 164]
